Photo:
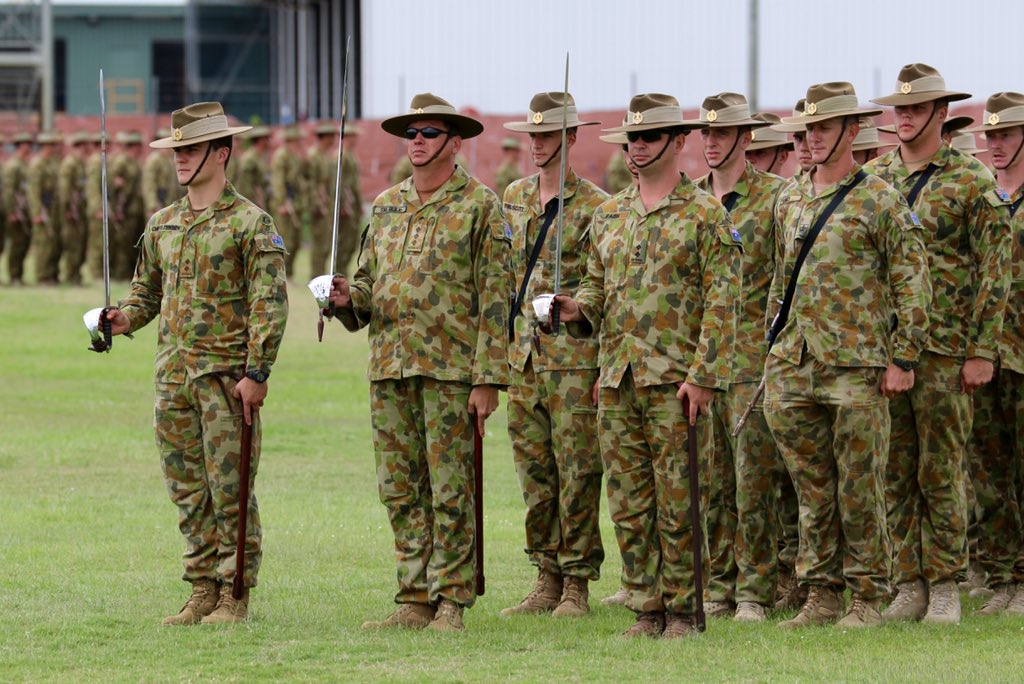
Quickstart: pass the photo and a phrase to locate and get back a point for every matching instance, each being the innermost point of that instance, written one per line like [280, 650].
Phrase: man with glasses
[660, 293]
[967, 235]
[552, 420]
[433, 285]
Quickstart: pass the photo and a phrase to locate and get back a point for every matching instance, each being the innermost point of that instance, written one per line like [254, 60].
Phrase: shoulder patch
[399, 209]
[736, 235]
[508, 232]
[277, 240]
[1002, 194]
[997, 197]
[915, 219]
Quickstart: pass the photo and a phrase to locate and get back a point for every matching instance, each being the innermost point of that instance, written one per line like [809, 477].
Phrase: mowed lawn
[90, 549]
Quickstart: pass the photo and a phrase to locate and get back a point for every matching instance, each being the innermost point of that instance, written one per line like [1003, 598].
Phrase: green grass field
[90, 549]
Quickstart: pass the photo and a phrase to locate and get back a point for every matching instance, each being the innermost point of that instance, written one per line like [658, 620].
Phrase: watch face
[257, 376]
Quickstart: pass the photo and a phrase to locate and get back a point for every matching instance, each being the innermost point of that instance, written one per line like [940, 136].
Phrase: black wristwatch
[257, 375]
[905, 366]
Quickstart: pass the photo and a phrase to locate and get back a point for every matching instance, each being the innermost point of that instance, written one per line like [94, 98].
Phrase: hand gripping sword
[321, 285]
[561, 203]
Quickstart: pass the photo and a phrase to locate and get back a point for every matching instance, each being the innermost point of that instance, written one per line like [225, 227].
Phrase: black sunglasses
[646, 136]
[429, 132]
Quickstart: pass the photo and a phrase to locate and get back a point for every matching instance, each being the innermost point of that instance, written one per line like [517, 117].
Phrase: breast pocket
[450, 254]
[215, 261]
[389, 241]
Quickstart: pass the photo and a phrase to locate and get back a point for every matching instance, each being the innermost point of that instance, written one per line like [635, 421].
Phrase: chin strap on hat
[732, 149]
[209, 147]
[447, 137]
[671, 135]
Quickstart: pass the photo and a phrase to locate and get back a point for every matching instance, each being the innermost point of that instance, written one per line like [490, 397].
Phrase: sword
[101, 328]
[322, 289]
[561, 204]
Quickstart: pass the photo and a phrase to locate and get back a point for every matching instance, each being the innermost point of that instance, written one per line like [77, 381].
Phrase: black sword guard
[105, 343]
[555, 314]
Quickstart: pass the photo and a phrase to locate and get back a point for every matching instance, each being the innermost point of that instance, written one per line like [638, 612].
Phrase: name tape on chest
[396, 209]
[165, 227]
[508, 206]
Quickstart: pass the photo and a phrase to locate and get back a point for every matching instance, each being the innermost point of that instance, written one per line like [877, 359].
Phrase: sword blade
[341, 153]
[103, 185]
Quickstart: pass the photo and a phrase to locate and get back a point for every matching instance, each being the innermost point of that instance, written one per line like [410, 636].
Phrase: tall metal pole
[754, 56]
[46, 66]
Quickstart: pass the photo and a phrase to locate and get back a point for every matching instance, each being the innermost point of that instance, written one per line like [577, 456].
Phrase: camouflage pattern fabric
[506, 174]
[19, 219]
[553, 428]
[832, 426]
[198, 432]
[159, 181]
[822, 399]
[752, 215]
[551, 421]
[74, 225]
[786, 521]
[253, 176]
[402, 169]
[127, 218]
[967, 237]
[617, 176]
[288, 199]
[351, 210]
[434, 283]
[643, 435]
[423, 444]
[218, 285]
[44, 207]
[94, 212]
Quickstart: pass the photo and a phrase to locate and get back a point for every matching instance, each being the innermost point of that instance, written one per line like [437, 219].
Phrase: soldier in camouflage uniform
[509, 169]
[44, 207]
[996, 452]
[833, 365]
[660, 291]
[552, 419]
[351, 205]
[288, 191]
[94, 209]
[745, 472]
[800, 149]
[321, 174]
[867, 145]
[769, 149]
[71, 195]
[617, 175]
[212, 269]
[253, 177]
[401, 170]
[159, 179]
[967, 235]
[3, 212]
[433, 285]
[127, 216]
[15, 205]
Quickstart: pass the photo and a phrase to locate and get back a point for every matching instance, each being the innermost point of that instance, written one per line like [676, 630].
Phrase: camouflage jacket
[661, 288]
[159, 181]
[288, 181]
[71, 188]
[252, 178]
[351, 193]
[94, 186]
[867, 263]
[218, 285]
[125, 201]
[525, 217]
[15, 188]
[43, 175]
[1011, 342]
[617, 176]
[967, 238]
[321, 169]
[506, 175]
[433, 283]
[753, 216]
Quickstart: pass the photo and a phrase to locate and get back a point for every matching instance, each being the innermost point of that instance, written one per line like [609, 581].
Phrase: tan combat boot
[575, 595]
[678, 626]
[448, 617]
[862, 613]
[407, 616]
[619, 598]
[911, 602]
[943, 603]
[976, 576]
[823, 605]
[719, 609]
[200, 604]
[1000, 601]
[748, 611]
[545, 596]
[229, 610]
[648, 624]
[789, 593]
[1016, 606]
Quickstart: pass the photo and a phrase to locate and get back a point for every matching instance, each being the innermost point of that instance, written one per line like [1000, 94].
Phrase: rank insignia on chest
[186, 269]
[277, 241]
[1003, 195]
[802, 231]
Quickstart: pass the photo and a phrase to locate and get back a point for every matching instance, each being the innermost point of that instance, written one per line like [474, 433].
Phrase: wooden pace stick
[238, 585]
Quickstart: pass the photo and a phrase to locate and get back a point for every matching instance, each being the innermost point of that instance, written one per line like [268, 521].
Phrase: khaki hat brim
[170, 143]
[768, 144]
[888, 128]
[614, 139]
[685, 125]
[789, 128]
[815, 118]
[899, 99]
[999, 126]
[525, 127]
[467, 127]
[750, 123]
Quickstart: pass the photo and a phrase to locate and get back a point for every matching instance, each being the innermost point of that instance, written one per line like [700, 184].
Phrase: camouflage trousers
[643, 433]
[719, 503]
[760, 476]
[553, 428]
[997, 468]
[290, 228]
[46, 246]
[124, 250]
[94, 248]
[786, 520]
[199, 431]
[73, 238]
[17, 249]
[423, 443]
[321, 226]
[925, 487]
[348, 243]
[832, 426]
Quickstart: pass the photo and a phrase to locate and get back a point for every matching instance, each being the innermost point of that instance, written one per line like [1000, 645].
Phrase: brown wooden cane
[698, 538]
[238, 586]
[478, 505]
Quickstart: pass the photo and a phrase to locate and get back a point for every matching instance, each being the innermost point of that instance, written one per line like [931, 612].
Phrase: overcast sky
[495, 55]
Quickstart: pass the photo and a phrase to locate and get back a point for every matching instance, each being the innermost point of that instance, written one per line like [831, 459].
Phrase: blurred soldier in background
[44, 208]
